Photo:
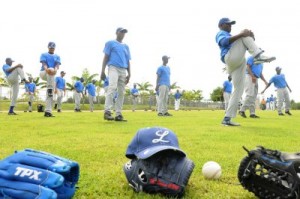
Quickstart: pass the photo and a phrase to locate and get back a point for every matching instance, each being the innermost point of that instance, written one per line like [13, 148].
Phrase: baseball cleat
[229, 123]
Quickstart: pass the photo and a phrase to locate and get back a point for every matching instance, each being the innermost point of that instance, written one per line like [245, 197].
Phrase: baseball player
[282, 91]
[163, 86]
[177, 97]
[253, 73]
[272, 102]
[135, 93]
[227, 90]
[91, 88]
[12, 74]
[60, 90]
[117, 57]
[233, 50]
[50, 65]
[78, 93]
[30, 88]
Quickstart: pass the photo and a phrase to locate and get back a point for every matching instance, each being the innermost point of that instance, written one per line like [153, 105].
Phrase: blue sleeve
[107, 48]
[250, 61]
[222, 39]
[57, 60]
[43, 58]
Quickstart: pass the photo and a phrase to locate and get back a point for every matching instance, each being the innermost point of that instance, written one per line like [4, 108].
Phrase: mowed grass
[99, 146]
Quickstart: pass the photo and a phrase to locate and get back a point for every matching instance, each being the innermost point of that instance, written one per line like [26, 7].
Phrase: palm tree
[144, 87]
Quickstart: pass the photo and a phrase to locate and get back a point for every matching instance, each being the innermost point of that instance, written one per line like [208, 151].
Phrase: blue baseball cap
[120, 29]
[149, 141]
[51, 44]
[225, 21]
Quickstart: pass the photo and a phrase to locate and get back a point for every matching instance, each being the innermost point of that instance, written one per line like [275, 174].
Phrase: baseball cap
[8, 59]
[226, 21]
[62, 72]
[51, 44]
[278, 68]
[165, 57]
[151, 140]
[120, 29]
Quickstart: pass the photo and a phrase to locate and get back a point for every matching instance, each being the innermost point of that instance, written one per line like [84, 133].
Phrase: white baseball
[211, 170]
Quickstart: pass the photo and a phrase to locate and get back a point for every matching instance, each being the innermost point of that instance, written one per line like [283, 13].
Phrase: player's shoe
[229, 123]
[12, 113]
[58, 110]
[107, 116]
[254, 116]
[280, 114]
[263, 58]
[167, 114]
[160, 114]
[242, 113]
[47, 114]
[120, 118]
[288, 112]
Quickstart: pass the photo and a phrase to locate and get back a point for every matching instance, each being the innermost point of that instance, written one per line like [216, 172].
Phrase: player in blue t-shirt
[134, 93]
[177, 97]
[30, 88]
[91, 88]
[227, 90]
[253, 73]
[163, 86]
[12, 74]
[282, 91]
[117, 57]
[60, 90]
[233, 50]
[50, 65]
[78, 93]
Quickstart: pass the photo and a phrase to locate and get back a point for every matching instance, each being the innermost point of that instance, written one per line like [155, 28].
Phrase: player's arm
[104, 63]
[250, 73]
[263, 79]
[268, 85]
[157, 80]
[14, 67]
[128, 73]
[288, 87]
[243, 33]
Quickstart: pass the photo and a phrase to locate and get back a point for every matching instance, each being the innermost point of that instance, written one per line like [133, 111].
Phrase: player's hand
[253, 79]
[103, 76]
[127, 79]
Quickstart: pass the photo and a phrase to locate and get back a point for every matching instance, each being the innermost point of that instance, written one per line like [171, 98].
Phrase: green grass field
[99, 146]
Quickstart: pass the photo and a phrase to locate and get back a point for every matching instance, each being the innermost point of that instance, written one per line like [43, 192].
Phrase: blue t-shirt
[30, 87]
[60, 83]
[271, 99]
[177, 95]
[91, 89]
[227, 86]
[50, 59]
[222, 39]
[118, 53]
[164, 75]
[79, 86]
[255, 68]
[134, 91]
[5, 68]
[278, 80]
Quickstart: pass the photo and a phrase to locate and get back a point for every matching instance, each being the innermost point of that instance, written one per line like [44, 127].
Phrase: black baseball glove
[165, 172]
[270, 173]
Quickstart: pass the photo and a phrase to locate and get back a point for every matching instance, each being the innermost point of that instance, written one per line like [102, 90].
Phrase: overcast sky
[183, 30]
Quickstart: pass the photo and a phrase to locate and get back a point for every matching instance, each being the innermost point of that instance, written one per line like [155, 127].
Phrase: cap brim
[153, 150]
